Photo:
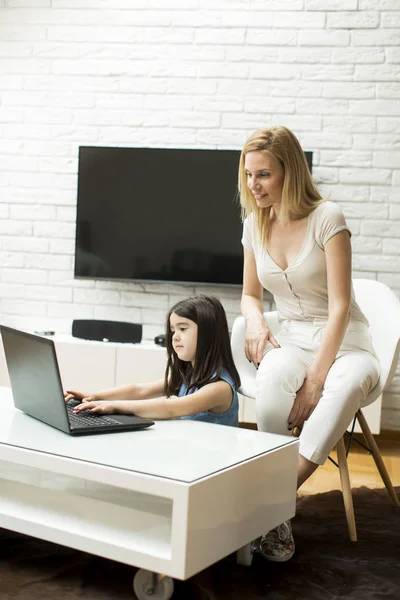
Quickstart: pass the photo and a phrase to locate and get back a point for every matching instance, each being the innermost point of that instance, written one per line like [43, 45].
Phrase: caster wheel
[148, 585]
[244, 556]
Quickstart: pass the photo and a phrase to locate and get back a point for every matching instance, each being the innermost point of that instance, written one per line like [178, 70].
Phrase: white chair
[382, 309]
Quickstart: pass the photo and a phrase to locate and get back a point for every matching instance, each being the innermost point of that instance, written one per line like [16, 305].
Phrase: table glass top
[179, 450]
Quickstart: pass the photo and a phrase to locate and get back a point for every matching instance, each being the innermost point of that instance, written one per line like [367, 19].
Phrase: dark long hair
[213, 351]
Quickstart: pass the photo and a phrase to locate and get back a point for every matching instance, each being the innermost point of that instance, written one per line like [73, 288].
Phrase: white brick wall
[193, 73]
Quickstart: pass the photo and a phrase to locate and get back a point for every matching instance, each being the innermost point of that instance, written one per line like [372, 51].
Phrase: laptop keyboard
[87, 418]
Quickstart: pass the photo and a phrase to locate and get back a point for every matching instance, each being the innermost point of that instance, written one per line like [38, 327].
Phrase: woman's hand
[258, 334]
[75, 395]
[102, 407]
[306, 400]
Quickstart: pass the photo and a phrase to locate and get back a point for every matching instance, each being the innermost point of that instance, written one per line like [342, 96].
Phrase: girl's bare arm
[216, 397]
[133, 391]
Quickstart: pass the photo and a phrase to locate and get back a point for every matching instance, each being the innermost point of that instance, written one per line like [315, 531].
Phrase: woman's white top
[301, 291]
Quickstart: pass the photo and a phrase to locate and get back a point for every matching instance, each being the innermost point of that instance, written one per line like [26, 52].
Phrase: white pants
[282, 372]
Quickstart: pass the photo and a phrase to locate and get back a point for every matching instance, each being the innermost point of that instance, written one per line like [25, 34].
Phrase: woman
[318, 370]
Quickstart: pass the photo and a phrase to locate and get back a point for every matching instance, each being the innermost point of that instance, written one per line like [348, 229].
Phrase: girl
[200, 379]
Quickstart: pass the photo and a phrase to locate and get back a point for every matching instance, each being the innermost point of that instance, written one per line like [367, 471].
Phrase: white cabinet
[139, 363]
[248, 409]
[88, 366]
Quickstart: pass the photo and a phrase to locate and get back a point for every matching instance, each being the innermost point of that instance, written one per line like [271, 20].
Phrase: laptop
[37, 389]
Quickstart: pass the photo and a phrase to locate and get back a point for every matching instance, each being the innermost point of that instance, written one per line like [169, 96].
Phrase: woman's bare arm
[257, 331]
[338, 260]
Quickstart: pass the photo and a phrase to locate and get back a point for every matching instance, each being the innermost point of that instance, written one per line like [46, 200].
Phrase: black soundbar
[111, 331]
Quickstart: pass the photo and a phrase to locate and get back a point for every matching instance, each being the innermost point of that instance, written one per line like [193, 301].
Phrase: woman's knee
[280, 372]
[279, 377]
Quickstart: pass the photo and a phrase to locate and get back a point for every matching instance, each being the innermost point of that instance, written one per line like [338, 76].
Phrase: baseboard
[248, 425]
[384, 435]
[388, 435]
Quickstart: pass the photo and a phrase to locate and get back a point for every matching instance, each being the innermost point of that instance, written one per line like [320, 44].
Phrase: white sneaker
[278, 544]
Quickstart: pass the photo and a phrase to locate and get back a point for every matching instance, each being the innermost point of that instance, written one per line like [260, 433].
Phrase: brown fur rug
[326, 566]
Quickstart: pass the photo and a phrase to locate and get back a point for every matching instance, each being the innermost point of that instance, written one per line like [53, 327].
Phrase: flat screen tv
[153, 214]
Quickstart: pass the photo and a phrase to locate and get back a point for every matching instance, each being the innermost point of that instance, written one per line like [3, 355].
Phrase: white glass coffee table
[172, 499]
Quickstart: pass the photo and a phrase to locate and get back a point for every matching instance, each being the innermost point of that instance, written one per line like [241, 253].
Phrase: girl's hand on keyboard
[102, 407]
[81, 396]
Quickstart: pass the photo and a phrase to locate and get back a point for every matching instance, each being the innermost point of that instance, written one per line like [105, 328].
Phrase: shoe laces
[283, 532]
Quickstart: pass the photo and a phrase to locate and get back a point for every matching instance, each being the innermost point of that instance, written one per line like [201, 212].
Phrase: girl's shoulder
[226, 376]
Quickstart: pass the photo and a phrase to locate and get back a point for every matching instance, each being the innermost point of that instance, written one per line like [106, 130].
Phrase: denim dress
[229, 417]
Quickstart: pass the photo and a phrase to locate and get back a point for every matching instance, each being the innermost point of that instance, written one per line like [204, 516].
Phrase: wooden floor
[362, 469]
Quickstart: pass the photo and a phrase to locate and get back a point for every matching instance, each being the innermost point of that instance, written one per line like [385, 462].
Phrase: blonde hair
[299, 193]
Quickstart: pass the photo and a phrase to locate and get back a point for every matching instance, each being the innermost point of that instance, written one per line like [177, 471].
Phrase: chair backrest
[382, 309]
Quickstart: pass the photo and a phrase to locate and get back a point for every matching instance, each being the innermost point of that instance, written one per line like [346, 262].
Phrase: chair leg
[369, 438]
[346, 489]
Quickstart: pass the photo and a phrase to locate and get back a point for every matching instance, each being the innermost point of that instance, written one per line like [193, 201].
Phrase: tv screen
[155, 214]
